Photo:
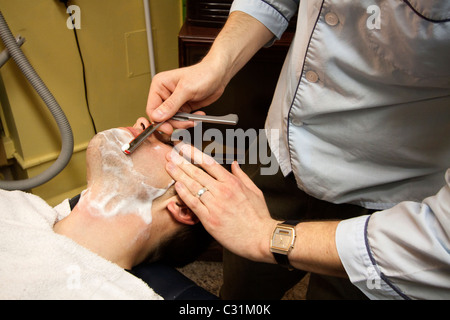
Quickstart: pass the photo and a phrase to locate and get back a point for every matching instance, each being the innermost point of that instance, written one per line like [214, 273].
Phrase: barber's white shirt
[362, 103]
[402, 252]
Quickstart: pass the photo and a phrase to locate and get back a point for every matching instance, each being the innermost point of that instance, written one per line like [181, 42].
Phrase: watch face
[282, 238]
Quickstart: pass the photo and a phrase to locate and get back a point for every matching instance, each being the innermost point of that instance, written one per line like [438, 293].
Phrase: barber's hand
[185, 89]
[233, 210]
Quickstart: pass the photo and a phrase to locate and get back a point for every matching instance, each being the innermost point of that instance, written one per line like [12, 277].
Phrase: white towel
[37, 263]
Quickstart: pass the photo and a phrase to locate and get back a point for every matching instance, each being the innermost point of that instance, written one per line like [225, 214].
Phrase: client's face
[126, 183]
[150, 157]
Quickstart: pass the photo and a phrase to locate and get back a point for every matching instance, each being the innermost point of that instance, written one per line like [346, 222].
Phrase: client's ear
[181, 212]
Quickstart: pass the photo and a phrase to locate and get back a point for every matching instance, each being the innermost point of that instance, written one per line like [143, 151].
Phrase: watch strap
[291, 222]
[282, 259]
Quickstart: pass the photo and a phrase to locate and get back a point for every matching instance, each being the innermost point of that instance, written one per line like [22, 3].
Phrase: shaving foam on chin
[123, 189]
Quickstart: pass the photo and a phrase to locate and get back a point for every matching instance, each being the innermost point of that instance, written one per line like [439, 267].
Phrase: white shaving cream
[123, 189]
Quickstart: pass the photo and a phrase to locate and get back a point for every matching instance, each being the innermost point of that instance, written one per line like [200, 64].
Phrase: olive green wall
[113, 44]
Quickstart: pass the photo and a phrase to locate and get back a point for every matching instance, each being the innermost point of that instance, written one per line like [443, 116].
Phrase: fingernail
[158, 114]
[170, 166]
[176, 158]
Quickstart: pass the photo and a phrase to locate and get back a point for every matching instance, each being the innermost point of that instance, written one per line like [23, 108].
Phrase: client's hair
[182, 248]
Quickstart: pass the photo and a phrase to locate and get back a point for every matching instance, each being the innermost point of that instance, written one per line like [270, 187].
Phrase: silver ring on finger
[201, 191]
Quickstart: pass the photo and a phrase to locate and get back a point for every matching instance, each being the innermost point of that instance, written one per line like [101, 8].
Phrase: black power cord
[66, 3]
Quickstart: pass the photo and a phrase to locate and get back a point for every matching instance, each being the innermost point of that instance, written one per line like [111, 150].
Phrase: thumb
[170, 106]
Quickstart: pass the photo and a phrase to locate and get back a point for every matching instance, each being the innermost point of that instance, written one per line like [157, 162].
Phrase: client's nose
[141, 123]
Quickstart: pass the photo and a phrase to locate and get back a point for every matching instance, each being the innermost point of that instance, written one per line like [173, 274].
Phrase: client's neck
[123, 238]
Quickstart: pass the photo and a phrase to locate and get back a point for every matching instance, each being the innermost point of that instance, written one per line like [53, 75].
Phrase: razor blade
[128, 148]
[230, 119]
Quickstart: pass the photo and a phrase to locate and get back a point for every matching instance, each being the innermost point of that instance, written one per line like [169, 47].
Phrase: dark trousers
[245, 279]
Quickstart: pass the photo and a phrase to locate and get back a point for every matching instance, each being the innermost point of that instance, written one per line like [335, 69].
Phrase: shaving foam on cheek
[124, 189]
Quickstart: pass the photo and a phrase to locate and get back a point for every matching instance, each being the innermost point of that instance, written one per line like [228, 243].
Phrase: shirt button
[296, 122]
[331, 19]
[311, 76]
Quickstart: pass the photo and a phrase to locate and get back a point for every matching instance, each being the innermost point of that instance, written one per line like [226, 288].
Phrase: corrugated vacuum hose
[59, 116]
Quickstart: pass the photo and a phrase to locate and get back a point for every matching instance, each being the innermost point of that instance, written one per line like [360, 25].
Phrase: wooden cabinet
[250, 92]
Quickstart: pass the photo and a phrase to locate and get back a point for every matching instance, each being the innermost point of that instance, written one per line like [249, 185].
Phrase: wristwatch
[282, 242]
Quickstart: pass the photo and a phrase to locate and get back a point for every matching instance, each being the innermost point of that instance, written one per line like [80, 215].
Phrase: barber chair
[171, 284]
